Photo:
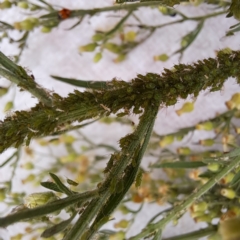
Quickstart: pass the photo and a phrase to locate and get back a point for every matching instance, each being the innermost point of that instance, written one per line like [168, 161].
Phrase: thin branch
[181, 208]
[18, 75]
[134, 6]
[143, 131]
[48, 208]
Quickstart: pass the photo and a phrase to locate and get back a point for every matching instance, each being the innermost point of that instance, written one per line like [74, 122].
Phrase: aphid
[64, 13]
[32, 130]
[71, 182]
[105, 108]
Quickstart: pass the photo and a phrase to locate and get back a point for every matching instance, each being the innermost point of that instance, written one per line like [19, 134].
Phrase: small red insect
[64, 13]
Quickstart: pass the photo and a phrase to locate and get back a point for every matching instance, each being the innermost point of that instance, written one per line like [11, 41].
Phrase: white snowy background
[56, 53]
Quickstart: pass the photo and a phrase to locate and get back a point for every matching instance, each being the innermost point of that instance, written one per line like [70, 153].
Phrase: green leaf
[179, 165]
[57, 228]
[51, 186]
[82, 83]
[60, 185]
[207, 174]
[234, 28]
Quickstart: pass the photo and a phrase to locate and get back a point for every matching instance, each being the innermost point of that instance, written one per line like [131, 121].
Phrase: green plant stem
[48, 208]
[180, 209]
[218, 120]
[127, 180]
[18, 75]
[9, 159]
[14, 165]
[94, 207]
[22, 44]
[119, 24]
[158, 235]
[134, 6]
[185, 18]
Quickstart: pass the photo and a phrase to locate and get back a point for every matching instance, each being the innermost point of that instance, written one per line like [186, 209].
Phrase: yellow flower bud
[122, 224]
[207, 126]
[124, 210]
[162, 57]
[112, 47]
[207, 142]
[5, 4]
[184, 151]
[227, 179]
[88, 48]
[234, 102]
[167, 11]
[28, 166]
[23, 5]
[163, 10]
[29, 178]
[69, 158]
[24, 25]
[38, 199]
[228, 193]
[117, 236]
[186, 108]
[179, 137]
[8, 106]
[2, 194]
[237, 130]
[97, 37]
[45, 29]
[130, 36]
[167, 140]
[120, 58]
[69, 139]
[3, 91]
[97, 57]
[201, 206]
[197, 214]
[213, 167]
